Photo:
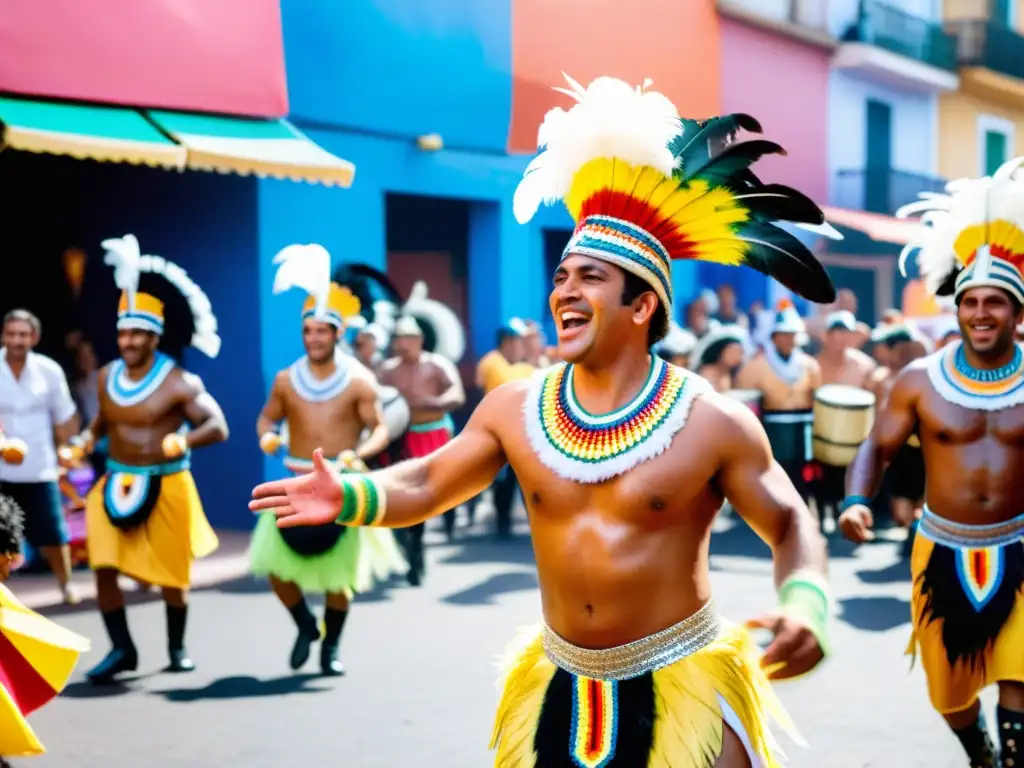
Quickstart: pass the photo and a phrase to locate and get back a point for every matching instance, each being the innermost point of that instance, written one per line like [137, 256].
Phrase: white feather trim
[943, 384]
[451, 338]
[599, 471]
[307, 267]
[204, 323]
[965, 203]
[610, 119]
[122, 253]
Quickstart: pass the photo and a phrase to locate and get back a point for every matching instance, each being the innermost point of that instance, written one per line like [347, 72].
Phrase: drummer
[787, 377]
[719, 354]
[841, 363]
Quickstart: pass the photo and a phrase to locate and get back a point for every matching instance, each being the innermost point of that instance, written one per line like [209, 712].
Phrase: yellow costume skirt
[148, 523]
[968, 615]
[660, 702]
[36, 660]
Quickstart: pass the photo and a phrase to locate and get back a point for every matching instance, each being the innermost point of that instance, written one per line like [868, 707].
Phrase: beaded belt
[953, 534]
[639, 657]
[172, 467]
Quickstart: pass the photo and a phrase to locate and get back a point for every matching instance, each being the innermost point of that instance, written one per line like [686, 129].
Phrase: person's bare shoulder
[720, 425]
[500, 407]
[862, 359]
[281, 379]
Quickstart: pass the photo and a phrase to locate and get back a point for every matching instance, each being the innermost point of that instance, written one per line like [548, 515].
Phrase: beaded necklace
[314, 390]
[591, 448]
[124, 392]
[958, 382]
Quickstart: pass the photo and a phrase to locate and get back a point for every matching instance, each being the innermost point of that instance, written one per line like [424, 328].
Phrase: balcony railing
[903, 34]
[808, 14]
[984, 43]
[882, 190]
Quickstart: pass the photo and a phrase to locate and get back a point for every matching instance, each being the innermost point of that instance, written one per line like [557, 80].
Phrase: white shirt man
[35, 407]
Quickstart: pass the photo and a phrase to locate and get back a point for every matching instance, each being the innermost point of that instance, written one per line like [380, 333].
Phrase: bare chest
[954, 424]
[847, 373]
[318, 416]
[419, 378]
[162, 405]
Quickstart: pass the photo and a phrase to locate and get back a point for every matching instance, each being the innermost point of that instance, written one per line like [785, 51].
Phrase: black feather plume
[776, 253]
[776, 202]
[731, 160]
[700, 140]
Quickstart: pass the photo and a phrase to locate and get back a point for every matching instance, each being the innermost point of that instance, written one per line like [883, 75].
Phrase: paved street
[420, 690]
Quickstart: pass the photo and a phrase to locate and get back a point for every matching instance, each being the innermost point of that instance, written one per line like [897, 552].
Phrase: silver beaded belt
[623, 662]
[953, 534]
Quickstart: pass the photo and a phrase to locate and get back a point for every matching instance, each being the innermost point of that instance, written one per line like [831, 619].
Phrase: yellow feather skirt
[674, 717]
[161, 550]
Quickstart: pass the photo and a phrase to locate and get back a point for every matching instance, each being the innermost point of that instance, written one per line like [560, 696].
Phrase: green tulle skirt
[359, 559]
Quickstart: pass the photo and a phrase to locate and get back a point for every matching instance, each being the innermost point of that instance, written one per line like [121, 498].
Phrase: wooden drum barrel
[843, 417]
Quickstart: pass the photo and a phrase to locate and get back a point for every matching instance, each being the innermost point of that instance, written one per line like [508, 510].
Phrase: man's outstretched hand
[310, 499]
[794, 651]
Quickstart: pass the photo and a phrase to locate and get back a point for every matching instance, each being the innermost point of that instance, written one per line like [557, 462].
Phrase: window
[1003, 12]
[995, 143]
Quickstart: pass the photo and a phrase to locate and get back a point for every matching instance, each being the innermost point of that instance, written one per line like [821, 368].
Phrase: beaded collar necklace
[314, 390]
[124, 393]
[958, 382]
[591, 448]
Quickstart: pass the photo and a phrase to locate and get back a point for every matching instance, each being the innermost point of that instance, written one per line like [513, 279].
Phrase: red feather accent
[623, 206]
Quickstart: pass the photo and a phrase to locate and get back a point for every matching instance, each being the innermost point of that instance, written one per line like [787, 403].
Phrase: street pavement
[421, 683]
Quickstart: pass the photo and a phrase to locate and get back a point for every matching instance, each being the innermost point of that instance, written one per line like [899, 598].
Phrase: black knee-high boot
[977, 743]
[334, 622]
[1011, 731]
[176, 618]
[122, 656]
[309, 633]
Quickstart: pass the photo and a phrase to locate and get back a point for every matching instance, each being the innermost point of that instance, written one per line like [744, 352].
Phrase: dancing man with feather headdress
[327, 399]
[624, 459]
[144, 518]
[966, 404]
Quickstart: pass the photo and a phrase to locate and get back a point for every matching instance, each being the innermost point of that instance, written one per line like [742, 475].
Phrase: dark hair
[632, 288]
[11, 522]
[26, 317]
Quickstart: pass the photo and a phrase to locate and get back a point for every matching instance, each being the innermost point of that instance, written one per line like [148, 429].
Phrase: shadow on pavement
[244, 687]
[485, 548]
[83, 689]
[875, 614]
[897, 571]
[498, 584]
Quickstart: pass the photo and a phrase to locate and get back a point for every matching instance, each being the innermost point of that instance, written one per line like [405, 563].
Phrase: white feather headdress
[976, 225]
[307, 267]
[129, 264]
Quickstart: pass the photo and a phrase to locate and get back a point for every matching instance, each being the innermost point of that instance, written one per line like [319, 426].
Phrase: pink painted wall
[782, 82]
[203, 55]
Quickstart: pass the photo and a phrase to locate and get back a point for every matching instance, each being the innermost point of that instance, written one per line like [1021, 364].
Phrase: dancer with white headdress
[966, 404]
[326, 399]
[144, 518]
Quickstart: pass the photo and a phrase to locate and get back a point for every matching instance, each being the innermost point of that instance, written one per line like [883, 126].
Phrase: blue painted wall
[403, 67]
[205, 223]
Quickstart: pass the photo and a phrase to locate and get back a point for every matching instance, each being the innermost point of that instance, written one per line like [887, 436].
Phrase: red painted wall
[673, 42]
[202, 55]
[782, 82]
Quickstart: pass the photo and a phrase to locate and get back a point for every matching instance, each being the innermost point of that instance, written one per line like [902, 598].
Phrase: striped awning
[253, 146]
[86, 131]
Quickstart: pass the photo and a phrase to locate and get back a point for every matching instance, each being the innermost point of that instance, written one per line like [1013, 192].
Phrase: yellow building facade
[981, 125]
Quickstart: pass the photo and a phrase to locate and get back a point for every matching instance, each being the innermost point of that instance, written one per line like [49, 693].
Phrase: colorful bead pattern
[595, 715]
[983, 383]
[363, 501]
[582, 436]
[981, 573]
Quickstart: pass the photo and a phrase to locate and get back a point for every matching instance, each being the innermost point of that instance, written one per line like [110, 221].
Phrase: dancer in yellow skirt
[625, 460]
[144, 518]
[36, 656]
[966, 404]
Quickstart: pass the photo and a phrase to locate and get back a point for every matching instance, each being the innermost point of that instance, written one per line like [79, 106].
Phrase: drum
[789, 433]
[396, 412]
[843, 417]
[751, 398]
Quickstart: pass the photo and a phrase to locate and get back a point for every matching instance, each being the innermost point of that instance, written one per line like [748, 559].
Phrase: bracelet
[364, 501]
[853, 500]
[805, 595]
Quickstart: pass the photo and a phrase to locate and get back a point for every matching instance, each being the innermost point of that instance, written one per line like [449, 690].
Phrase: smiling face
[988, 319]
[136, 347]
[319, 339]
[592, 321]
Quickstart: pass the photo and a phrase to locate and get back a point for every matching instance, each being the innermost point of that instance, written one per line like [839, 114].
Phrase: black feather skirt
[968, 614]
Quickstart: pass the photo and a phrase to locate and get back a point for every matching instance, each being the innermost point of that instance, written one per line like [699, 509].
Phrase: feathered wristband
[805, 596]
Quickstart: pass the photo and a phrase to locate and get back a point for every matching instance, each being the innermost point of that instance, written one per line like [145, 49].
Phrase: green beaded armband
[805, 596]
[363, 501]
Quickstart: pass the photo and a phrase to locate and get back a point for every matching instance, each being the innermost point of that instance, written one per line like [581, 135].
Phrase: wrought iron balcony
[881, 190]
[902, 33]
[988, 44]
